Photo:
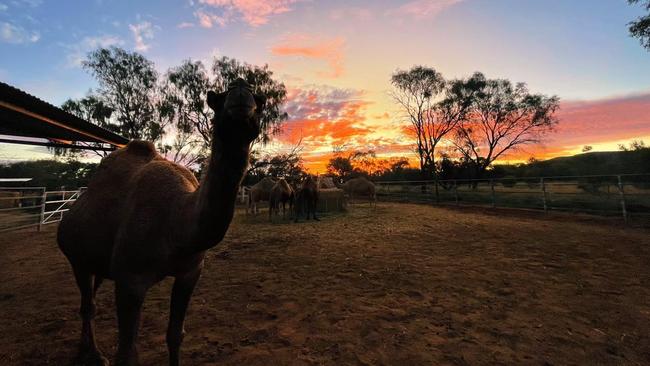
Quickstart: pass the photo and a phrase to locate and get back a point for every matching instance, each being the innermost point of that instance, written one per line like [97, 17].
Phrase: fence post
[436, 189]
[494, 200]
[543, 185]
[456, 191]
[621, 193]
[42, 215]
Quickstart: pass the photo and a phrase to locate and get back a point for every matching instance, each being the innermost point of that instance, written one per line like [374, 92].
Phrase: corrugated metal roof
[22, 114]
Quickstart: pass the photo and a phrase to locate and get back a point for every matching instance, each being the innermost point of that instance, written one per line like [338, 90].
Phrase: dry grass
[402, 285]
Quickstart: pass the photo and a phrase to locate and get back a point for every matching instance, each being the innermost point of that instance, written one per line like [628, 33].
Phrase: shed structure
[26, 119]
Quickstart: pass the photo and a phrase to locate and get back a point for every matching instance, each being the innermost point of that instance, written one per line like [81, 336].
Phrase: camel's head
[309, 181]
[237, 113]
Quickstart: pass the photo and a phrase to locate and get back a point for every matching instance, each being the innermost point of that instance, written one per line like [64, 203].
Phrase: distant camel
[144, 218]
[280, 193]
[259, 192]
[10, 199]
[306, 199]
[360, 187]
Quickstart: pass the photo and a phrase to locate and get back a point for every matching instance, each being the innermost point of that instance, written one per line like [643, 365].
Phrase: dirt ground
[402, 285]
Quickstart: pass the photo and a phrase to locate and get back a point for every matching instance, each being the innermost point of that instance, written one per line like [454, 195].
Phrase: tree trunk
[435, 179]
[423, 175]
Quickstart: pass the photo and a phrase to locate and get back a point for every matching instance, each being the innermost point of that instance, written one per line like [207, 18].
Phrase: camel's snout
[241, 111]
[240, 103]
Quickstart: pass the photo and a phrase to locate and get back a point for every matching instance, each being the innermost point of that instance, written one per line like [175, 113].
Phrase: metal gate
[24, 207]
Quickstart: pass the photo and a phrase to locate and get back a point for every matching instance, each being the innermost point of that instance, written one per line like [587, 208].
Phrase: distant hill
[593, 163]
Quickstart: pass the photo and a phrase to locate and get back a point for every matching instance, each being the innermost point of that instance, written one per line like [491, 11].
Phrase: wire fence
[624, 195]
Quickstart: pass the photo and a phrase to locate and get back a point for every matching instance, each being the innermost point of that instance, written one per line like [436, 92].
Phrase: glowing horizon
[336, 59]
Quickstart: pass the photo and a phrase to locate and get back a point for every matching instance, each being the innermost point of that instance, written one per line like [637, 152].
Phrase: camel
[360, 187]
[280, 193]
[10, 199]
[144, 218]
[259, 192]
[306, 199]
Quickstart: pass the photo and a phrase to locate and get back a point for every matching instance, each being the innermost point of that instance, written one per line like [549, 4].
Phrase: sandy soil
[402, 285]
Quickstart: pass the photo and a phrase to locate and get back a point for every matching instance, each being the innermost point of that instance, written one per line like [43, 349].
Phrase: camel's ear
[216, 101]
[260, 100]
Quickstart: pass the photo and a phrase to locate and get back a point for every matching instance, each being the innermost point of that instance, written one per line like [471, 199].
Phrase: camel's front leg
[181, 294]
[89, 354]
[129, 296]
[314, 207]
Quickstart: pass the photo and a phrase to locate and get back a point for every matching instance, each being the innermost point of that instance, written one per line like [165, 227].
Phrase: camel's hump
[139, 147]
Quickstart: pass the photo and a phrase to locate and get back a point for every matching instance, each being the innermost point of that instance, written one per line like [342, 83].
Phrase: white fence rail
[25, 207]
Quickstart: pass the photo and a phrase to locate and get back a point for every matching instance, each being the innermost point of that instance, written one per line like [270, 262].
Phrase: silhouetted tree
[184, 91]
[128, 85]
[183, 103]
[227, 70]
[635, 145]
[90, 108]
[51, 174]
[287, 165]
[503, 117]
[640, 28]
[432, 106]
[417, 91]
[340, 167]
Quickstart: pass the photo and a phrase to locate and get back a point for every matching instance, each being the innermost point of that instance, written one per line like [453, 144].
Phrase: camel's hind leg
[88, 354]
[181, 294]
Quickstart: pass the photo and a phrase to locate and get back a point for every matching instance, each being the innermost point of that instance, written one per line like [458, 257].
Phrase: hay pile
[331, 200]
[326, 183]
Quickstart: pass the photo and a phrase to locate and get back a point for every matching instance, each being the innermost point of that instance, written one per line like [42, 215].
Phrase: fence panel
[625, 195]
[24, 207]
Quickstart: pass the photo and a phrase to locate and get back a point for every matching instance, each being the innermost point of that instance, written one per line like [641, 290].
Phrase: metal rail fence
[625, 195]
[24, 207]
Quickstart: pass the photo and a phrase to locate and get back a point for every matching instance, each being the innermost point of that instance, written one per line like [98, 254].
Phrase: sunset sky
[336, 58]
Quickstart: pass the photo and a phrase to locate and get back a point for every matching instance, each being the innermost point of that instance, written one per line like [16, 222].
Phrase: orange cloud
[206, 19]
[325, 116]
[598, 122]
[329, 50]
[603, 120]
[384, 115]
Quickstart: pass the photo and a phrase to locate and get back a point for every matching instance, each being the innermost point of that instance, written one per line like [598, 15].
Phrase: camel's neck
[214, 201]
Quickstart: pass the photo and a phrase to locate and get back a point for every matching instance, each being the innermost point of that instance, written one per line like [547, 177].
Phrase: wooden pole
[436, 190]
[543, 185]
[42, 215]
[494, 200]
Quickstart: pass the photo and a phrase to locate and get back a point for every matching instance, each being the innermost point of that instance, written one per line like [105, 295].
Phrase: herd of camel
[303, 199]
